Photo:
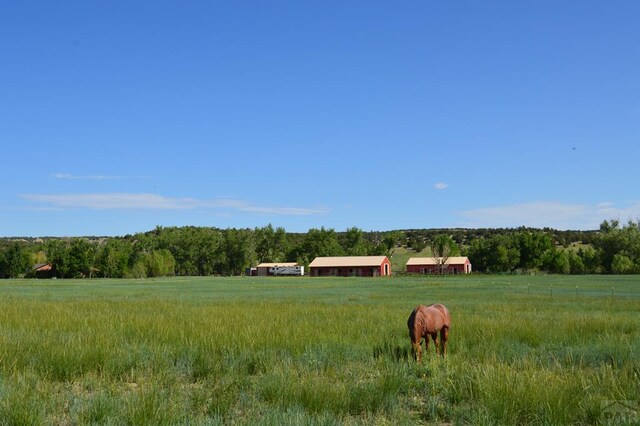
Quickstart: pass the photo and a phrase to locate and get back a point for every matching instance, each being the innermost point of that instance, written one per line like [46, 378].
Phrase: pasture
[316, 351]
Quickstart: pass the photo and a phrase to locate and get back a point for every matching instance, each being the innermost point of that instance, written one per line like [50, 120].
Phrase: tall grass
[315, 351]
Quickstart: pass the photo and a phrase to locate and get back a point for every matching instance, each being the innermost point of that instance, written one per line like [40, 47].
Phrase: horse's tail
[412, 318]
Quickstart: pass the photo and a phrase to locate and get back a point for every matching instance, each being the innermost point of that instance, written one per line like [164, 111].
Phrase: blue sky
[116, 117]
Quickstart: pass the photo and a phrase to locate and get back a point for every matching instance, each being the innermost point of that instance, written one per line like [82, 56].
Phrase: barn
[268, 269]
[431, 265]
[43, 270]
[350, 266]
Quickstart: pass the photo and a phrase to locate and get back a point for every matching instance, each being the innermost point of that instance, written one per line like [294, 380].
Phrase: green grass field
[523, 349]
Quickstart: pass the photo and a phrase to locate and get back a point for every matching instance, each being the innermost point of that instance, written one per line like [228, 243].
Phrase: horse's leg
[434, 336]
[417, 348]
[444, 336]
[415, 343]
[426, 343]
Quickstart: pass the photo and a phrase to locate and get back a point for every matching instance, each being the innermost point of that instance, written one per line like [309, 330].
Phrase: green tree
[15, 261]
[556, 261]
[590, 260]
[390, 241]
[417, 243]
[609, 243]
[505, 257]
[442, 247]
[238, 250]
[532, 245]
[478, 253]
[622, 264]
[380, 247]
[197, 251]
[80, 258]
[496, 253]
[576, 264]
[614, 240]
[158, 263]
[271, 244]
[58, 254]
[354, 243]
[112, 259]
[208, 253]
[320, 242]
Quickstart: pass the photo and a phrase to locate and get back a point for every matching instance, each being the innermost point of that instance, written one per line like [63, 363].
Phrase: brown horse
[427, 321]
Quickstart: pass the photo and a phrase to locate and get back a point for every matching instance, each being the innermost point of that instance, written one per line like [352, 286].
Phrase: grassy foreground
[540, 349]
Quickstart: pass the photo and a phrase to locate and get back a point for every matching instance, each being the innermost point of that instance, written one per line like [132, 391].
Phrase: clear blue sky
[116, 117]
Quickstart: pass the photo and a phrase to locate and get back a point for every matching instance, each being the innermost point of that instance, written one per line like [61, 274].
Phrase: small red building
[350, 266]
[43, 270]
[435, 265]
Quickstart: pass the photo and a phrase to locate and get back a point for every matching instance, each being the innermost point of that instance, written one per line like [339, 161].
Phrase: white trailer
[297, 271]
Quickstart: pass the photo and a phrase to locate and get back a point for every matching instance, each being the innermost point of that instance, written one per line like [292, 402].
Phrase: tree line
[185, 251]
[193, 251]
[614, 249]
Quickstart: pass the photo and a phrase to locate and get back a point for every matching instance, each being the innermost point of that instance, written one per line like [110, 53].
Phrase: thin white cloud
[551, 214]
[110, 201]
[68, 176]
[441, 185]
[145, 201]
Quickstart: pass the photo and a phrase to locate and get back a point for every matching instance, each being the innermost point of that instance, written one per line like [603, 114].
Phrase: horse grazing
[427, 321]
